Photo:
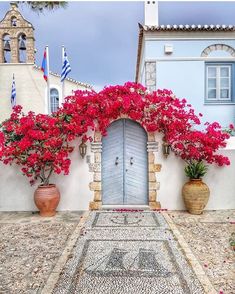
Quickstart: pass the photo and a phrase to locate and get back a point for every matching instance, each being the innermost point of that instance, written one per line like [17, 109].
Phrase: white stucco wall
[17, 195]
[31, 90]
[219, 179]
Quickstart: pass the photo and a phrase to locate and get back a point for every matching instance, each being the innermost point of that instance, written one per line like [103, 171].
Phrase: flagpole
[63, 49]
[13, 104]
[48, 79]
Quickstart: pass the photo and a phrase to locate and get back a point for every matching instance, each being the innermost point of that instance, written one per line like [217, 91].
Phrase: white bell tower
[151, 13]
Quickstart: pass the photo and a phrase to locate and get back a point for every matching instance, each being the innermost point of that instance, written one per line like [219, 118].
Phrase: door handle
[116, 161]
[131, 160]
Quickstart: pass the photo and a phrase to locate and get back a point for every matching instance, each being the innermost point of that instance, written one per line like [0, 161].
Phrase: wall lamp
[83, 149]
[166, 148]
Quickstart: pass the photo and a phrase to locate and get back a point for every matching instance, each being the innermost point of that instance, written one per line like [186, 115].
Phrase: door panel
[125, 182]
[112, 174]
[136, 163]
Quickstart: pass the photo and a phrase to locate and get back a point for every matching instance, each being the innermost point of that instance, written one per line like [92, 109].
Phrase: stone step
[134, 207]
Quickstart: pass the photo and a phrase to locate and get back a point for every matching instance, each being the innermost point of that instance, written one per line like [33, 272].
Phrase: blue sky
[101, 37]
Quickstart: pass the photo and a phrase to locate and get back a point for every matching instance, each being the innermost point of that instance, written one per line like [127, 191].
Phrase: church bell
[7, 46]
[22, 45]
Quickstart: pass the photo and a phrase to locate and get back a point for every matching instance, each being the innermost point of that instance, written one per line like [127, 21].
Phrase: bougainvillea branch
[36, 143]
[40, 143]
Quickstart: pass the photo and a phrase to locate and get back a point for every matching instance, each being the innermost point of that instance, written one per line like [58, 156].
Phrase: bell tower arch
[18, 47]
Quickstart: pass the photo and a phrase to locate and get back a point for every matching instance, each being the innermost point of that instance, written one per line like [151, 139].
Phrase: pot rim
[46, 186]
[196, 180]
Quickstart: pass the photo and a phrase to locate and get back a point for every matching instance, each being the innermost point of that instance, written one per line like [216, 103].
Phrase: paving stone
[116, 252]
[127, 252]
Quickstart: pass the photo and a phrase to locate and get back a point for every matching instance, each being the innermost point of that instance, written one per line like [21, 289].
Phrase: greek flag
[66, 67]
[13, 93]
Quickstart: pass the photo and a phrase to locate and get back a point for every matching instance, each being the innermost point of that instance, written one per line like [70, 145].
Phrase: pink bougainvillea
[36, 143]
[40, 143]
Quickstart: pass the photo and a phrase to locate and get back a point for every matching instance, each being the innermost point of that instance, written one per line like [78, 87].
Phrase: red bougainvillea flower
[36, 143]
[40, 143]
[231, 126]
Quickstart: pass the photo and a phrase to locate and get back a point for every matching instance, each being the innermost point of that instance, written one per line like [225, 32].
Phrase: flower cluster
[159, 111]
[36, 143]
[201, 145]
[40, 143]
[230, 130]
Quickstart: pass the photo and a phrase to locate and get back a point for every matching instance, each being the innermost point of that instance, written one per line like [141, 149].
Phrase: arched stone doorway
[150, 170]
[124, 164]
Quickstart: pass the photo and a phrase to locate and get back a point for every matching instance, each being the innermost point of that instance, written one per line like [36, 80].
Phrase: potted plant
[39, 145]
[198, 148]
[195, 192]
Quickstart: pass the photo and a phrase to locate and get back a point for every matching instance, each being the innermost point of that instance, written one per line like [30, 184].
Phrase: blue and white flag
[13, 93]
[66, 67]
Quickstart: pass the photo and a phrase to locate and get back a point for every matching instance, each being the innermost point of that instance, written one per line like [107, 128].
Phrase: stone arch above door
[95, 168]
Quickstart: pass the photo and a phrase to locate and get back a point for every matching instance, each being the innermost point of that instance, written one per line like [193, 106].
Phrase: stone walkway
[117, 252]
[127, 252]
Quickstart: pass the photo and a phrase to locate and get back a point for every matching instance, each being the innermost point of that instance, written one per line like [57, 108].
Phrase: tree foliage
[43, 6]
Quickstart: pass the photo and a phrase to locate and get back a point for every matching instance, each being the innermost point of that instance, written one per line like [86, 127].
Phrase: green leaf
[195, 170]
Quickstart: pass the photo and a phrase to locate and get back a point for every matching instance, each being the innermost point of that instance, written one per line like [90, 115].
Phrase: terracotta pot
[47, 199]
[196, 195]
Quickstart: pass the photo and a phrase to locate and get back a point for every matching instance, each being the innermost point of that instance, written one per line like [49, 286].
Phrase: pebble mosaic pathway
[127, 252]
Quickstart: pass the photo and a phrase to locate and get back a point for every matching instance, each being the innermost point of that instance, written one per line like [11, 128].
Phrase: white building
[125, 168]
[196, 62]
[17, 56]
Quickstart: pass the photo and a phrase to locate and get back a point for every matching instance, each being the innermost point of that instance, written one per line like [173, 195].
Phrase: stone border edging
[196, 266]
[55, 273]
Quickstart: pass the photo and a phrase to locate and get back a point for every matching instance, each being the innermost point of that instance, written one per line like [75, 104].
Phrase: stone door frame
[95, 168]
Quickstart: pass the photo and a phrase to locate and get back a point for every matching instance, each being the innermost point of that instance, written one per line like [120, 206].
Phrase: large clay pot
[196, 195]
[47, 199]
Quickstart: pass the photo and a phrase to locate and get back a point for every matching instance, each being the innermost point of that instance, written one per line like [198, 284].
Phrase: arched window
[13, 21]
[7, 48]
[22, 48]
[54, 99]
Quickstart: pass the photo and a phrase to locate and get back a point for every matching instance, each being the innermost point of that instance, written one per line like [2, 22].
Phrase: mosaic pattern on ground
[114, 256]
[119, 219]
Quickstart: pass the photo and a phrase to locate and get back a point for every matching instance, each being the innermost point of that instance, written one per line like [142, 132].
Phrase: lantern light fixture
[83, 149]
[166, 149]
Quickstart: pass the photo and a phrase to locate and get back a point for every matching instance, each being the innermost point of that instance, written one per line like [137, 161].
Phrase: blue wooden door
[125, 164]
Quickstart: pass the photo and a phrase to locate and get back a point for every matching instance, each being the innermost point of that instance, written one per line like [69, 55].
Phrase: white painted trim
[159, 38]
[141, 71]
[216, 59]
[220, 103]
[218, 82]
